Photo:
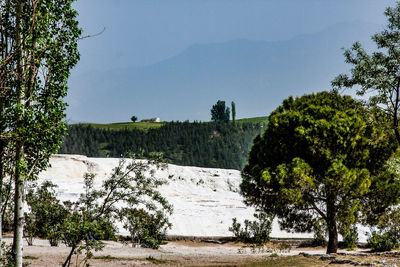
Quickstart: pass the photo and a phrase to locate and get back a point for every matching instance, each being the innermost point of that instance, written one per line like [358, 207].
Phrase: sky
[143, 33]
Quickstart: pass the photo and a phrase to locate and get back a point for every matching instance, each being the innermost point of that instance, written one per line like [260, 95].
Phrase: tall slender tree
[233, 107]
[377, 75]
[38, 41]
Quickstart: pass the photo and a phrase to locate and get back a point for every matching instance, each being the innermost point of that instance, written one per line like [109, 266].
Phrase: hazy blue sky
[140, 33]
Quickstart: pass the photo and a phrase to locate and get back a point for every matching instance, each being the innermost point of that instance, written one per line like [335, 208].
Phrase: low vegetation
[128, 196]
[254, 232]
[253, 120]
[143, 126]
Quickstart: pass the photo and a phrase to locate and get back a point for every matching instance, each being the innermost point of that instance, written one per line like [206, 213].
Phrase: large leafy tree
[220, 112]
[320, 158]
[377, 75]
[38, 43]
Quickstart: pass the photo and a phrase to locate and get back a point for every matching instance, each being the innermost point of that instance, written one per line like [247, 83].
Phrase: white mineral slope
[205, 200]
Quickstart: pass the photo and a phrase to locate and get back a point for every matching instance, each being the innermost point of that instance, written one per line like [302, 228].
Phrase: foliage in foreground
[320, 234]
[382, 241]
[46, 214]
[386, 235]
[254, 232]
[350, 241]
[321, 158]
[129, 195]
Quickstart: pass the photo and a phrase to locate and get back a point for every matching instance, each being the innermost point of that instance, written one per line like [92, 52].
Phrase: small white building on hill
[151, 120]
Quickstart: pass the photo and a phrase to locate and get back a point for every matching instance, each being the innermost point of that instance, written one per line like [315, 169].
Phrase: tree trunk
[396, 112]
[333, 240]
[68, 260]
[332, 227]
[18, 208]
[1, 197]
[1, 235]
[19, 148]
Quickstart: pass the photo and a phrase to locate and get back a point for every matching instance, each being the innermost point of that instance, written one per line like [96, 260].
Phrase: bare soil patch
[191, 253]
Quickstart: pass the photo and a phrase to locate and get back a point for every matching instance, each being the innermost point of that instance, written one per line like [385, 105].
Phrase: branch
[319, 211]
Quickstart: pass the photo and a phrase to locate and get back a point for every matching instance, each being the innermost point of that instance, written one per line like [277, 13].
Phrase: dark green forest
[202, 144]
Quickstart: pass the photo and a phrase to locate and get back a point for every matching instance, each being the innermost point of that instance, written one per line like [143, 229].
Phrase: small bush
[319, 234]
[350, 241]
[383, 242]
[387, 236]
[255, 232]
[146, 229]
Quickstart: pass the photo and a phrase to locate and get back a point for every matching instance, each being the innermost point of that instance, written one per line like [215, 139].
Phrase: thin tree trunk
[68, 260]
[19, 148]
[2, 148]
[1, 238]
[1, 197]
[18, 208]
[396, 112]
[1, 234]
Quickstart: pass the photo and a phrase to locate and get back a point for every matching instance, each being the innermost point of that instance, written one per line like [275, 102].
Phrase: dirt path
[183, 253]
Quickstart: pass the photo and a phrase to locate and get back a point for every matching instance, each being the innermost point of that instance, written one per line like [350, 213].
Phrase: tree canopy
[377, 75]
[219, 112]
[320, 158]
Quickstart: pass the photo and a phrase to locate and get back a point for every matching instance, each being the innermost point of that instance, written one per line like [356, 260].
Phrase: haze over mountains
[257, 75]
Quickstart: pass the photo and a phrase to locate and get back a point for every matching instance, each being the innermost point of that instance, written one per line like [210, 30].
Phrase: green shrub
[255, 232]
[147, 229]
[46, 213]
[319, 229]
[387, 236]
[350, 240]
[383, 242]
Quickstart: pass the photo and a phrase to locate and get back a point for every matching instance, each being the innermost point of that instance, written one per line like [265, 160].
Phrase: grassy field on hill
[253, 120]
[145, 126]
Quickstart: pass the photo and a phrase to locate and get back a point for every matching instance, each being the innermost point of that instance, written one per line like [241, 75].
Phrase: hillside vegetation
[149, 125]
[253, 120]
[144, 126]
[203, 144]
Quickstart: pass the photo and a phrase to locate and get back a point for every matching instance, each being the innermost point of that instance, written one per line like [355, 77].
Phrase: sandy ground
[176, 253]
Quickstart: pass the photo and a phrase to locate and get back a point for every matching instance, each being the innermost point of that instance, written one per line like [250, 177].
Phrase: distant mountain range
[257, 75]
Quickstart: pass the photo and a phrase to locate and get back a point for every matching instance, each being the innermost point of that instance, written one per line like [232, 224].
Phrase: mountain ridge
[257, 75]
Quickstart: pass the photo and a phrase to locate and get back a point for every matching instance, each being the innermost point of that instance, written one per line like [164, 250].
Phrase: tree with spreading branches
[321, 158]
[220, 112]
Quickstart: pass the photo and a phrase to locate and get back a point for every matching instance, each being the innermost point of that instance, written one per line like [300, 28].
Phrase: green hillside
[203, 144]
[253, 120]
[145, 126]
